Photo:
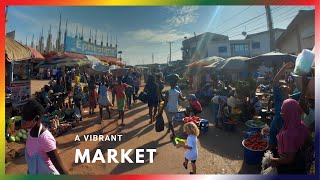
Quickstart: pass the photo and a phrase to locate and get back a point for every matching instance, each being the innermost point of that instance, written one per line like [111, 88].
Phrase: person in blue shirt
[280, 93]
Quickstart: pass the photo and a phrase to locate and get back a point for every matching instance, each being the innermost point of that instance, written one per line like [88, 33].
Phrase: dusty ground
[220, 152]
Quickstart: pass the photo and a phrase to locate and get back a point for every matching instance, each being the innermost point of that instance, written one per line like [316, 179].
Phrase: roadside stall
[18, 91]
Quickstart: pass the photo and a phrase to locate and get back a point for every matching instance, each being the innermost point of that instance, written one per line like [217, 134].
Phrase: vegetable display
[256, 143]
[255, 124]
[231, 121]
[193, 119]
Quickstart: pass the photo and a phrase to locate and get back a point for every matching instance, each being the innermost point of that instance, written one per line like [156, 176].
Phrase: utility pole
[152, 59]
[270, 28]
[170, 42]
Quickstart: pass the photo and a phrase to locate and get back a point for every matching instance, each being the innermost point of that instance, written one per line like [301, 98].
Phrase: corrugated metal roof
[15, 51]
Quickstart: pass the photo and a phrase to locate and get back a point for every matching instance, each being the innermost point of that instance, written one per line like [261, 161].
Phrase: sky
[143, 31]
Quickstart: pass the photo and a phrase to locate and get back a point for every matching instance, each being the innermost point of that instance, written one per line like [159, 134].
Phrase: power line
[278, 20]
[231, 18]
[265, 26]
[245, 22]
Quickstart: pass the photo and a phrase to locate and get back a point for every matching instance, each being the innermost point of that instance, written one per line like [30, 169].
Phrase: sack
[159, 125]
[143, 96]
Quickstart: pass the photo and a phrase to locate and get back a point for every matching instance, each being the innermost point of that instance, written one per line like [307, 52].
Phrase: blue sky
[142, 31]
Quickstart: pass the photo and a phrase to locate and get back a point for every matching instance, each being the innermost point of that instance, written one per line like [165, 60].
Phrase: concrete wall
[303, 32]
[213, 49]
[264, 39]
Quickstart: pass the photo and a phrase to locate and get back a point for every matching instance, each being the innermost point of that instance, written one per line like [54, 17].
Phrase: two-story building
[196, 48]
[252, 45]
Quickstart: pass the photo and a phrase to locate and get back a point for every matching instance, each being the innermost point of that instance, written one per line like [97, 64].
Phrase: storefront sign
[21, 92]
[83, 47]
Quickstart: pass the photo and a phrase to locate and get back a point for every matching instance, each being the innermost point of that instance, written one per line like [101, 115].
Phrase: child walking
[191, 154]
[104, 101]
[121, 97]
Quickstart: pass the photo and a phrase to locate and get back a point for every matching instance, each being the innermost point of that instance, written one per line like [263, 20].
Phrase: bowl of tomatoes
[254, 148]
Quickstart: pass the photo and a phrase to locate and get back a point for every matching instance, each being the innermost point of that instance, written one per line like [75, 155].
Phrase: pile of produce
[231, 121]
[255, 124]
[20, 136]
[62, 128]
[193, 119]
[256, 143]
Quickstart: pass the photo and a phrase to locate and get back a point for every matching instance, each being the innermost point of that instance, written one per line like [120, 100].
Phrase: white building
[252, 45]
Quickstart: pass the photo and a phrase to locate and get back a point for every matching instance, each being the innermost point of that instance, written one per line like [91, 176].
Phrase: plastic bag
[304, 62]
[159, 125]
[269, 171]
[231, 102]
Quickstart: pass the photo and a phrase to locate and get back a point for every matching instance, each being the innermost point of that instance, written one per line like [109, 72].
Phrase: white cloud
[183, 15]
[156, 36]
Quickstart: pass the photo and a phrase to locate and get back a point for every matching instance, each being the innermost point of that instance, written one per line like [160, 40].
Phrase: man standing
[129, 90]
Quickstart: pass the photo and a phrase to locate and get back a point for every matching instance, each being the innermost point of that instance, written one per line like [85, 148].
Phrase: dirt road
[220, 152]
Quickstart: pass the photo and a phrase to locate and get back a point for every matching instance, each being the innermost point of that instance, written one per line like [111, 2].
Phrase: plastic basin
[252, 157]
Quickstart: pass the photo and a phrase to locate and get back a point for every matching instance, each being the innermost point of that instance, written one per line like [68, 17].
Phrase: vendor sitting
[45, 96]
[58, 87]
[206, 94]
[195, 106]
[254, 105]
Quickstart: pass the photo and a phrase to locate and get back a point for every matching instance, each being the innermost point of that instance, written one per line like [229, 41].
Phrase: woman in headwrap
[77, 97]
[92, 94]
[292, 138]
[195, 106]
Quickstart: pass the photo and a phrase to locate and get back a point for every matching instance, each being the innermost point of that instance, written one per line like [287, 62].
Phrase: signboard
[79, 46]
[11, 34]
[21, 92]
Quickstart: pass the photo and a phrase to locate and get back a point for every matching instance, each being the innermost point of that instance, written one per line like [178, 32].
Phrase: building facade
[210, 44]
[196, 48]
[299, 34]
[252, 45]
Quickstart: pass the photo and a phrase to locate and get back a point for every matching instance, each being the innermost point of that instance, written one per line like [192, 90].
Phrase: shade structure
[272, 59]
[15, 51]
[98, 68]
[206, 61]
[65, 60]
[110, 60]
[36, 55]
[93, 59]
[237, 63]
[216, 65]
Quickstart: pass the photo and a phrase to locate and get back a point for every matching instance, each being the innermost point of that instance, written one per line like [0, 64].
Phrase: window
[222, 49]
[240, 49]
[256, 45]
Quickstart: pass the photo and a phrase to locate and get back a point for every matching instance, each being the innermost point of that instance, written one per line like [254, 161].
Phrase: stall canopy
[93, 59]
[216, 65]
[36, 56]
[14, 51]
[272, 58]
[237, 63]
[64, 60]
[206, 61]
[110, 60]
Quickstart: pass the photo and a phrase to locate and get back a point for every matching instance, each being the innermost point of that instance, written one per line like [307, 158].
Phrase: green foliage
[244, 88]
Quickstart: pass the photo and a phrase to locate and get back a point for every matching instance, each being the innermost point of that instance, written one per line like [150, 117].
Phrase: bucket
[252, 157]
[304, 62]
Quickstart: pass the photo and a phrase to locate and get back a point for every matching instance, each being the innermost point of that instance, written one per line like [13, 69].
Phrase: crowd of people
[290, 130]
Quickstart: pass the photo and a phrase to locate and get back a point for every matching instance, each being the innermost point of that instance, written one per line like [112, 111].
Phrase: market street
[220, 152]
